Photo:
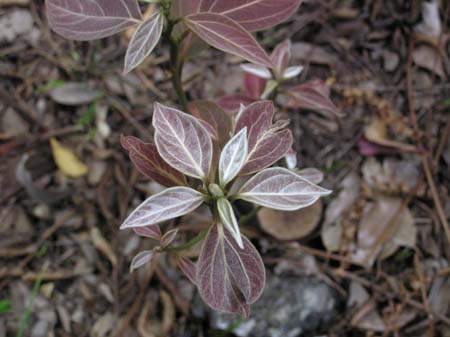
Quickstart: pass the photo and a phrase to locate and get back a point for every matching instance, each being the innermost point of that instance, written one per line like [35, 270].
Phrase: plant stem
[247, 217]
[189, 244]
[176, 63]
[26, 315]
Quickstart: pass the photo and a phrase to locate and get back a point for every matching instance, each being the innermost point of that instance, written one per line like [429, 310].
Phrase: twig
[138, 300]
[47, 276]
[436, 316]
[442, 143]
[425, 156]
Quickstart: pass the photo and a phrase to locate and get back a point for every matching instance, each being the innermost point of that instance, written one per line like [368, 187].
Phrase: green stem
[189, 244]
[247, 217]
[176, 63]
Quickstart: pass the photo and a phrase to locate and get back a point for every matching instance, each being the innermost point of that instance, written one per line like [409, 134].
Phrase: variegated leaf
[147, 160]
[141, 259]
[292, 72]
[271, 147]
[144, 40]
[281, 56]
[257, 118]
[281, 189]
[168, 204]
[91, 19]
[254, 86]
[153, 232]
[314, 96]
[253, 15]
[291, 159]
[188, 268]
[229, 220]
[214, 115]
[257, 70]
[182, 141]
[229, 278]
[225, 34]
[312, 174]
[181, 8]
[169, 237]
[233, 157]
[232, 103]
[267, 143]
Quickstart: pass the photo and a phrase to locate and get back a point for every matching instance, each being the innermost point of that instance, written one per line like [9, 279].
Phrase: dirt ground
[381, 240]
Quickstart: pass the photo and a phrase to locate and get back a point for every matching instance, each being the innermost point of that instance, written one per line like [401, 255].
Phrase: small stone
[290, 306]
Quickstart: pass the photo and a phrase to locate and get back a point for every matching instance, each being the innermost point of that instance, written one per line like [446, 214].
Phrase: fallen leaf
[39, 194]
[429, 58]
[103, 245]
[67, 161]
[340, 206]
[392, 176]
[72, 93]
[383, 230]
[365, 315]
[12, 124]
[303, 51]
[431, 25]
[377, 132]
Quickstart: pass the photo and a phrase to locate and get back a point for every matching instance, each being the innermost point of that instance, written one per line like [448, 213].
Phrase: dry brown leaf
[365, 315]
[382, 230]
[429, 58]
[102, 245]
[392, 175]
[377, 132]
[341, 205]
[67, 161]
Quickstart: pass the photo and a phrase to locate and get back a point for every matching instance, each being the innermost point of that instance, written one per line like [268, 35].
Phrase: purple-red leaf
[182, 141]
[141, 259]
[257, 118]
[85, 20]
[225, 34]
[281, 189]
[267, 143]
[168, 204]
[232, 103]
[314, 96]
[254, 86]
[149, 232]
[281, 57]
[147, 160]
[188, 268]
[168, 237]
[144, 40]
[312, 174]
[214, 115]
[253, 14]
[271, 147]
[181, 8]
[229, 278]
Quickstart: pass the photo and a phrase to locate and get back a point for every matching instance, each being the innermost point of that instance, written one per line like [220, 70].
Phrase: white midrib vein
[231, 41]
[96, 17]
[155, 20]
[188, 153]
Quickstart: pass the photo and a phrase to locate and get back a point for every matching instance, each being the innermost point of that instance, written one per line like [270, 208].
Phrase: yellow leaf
[66, 160]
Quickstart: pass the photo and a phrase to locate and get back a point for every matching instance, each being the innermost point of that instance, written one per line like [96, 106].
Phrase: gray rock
[289, 307]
